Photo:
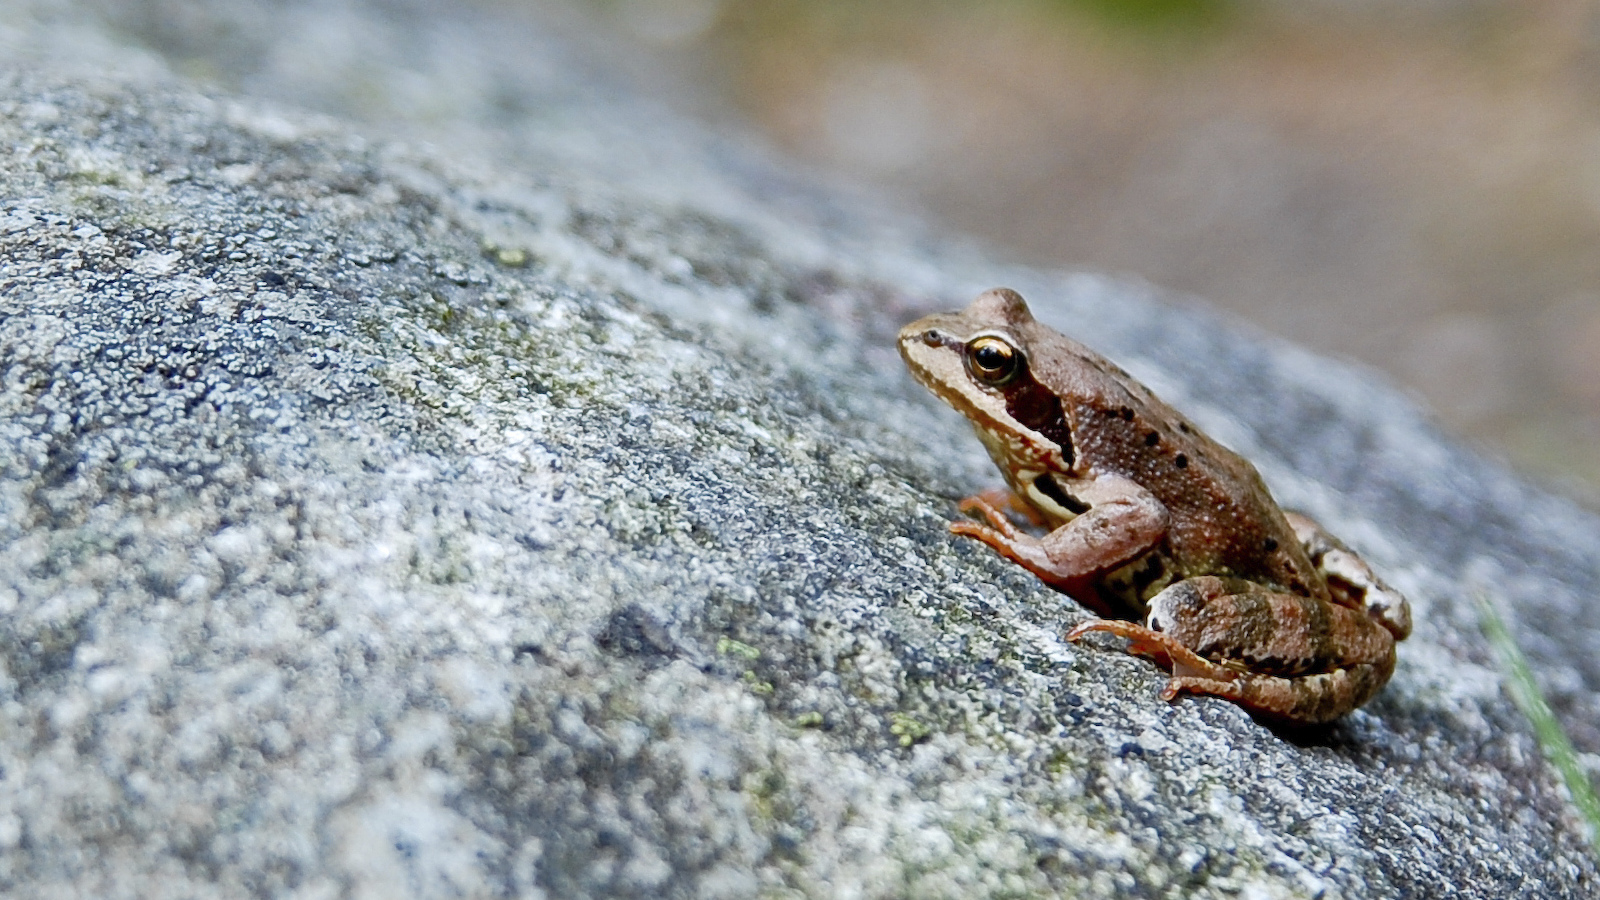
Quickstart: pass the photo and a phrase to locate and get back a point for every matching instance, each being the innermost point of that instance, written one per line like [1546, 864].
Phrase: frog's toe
[996, 519]
[1083, 628]
[1226, 688]
[1152, 645]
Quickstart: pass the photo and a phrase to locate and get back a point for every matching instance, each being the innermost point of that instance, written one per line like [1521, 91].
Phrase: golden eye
[993, 360]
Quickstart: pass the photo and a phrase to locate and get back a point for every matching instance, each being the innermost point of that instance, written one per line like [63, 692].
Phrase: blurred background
[1414, 184]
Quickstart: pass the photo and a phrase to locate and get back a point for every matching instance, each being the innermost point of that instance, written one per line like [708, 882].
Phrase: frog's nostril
[931, 338]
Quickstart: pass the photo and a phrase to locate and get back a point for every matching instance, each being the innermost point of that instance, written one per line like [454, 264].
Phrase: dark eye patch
[1037, 408]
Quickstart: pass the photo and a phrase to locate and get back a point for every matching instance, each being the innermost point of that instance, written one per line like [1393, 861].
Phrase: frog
[1170, 539]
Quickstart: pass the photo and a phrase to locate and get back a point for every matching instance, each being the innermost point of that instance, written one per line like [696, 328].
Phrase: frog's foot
[993, 506]
[1305, 700]
[1002, 534]
[1163, 649]
[1001, 502]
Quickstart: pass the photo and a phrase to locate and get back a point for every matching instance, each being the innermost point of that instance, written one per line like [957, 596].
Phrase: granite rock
[481, 502]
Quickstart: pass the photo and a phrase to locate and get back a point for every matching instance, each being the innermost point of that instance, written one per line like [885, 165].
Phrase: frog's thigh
[1243, 625]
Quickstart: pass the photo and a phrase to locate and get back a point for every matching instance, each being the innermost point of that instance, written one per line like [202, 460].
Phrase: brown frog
[1147, 519]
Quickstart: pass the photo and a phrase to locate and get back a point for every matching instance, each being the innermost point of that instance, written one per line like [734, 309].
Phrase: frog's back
[1224, 521]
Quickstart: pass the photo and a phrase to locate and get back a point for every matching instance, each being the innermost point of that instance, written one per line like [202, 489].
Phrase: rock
[540, 513]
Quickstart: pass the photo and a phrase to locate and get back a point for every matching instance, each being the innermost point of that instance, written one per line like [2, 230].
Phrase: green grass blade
[1552, 738]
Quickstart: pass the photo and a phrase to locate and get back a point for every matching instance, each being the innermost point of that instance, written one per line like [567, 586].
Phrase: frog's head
[978, 361]
[982, 344]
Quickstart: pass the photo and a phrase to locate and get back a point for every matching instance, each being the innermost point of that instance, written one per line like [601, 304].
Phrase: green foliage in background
[1162, 16]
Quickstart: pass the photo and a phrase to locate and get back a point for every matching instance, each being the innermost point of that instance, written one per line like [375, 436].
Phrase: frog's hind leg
[1248, 628]
[1284, 657]
[1302, 700]
[1191, 673]
[1306, 700]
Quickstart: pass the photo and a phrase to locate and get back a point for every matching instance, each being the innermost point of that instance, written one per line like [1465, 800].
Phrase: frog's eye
[992, 360]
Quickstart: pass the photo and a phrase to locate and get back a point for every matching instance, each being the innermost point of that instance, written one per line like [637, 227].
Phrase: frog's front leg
[1282, 656]
[1121, 521]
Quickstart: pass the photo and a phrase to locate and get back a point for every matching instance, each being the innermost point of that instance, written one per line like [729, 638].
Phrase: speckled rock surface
[506, 518]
